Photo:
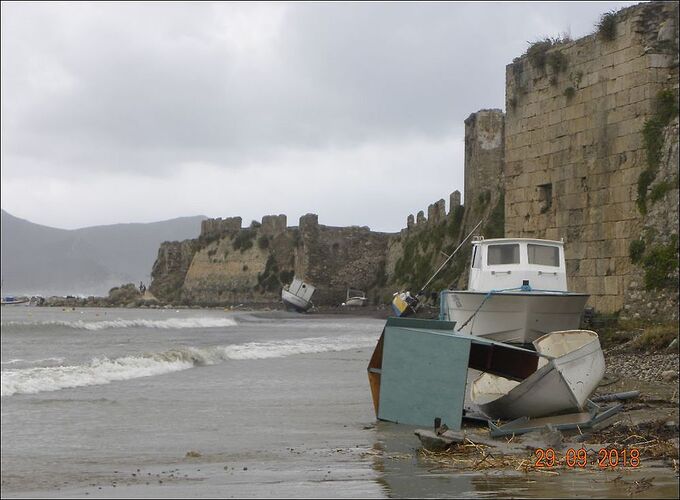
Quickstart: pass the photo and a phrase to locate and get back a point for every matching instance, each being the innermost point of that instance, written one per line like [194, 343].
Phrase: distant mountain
[42, 260]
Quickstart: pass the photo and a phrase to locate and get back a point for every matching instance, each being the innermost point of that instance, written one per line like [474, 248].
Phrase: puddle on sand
[406, 474]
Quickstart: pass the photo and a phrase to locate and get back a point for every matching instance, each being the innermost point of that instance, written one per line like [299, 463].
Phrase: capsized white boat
[571, 367]
[297, 296]
[517, 292]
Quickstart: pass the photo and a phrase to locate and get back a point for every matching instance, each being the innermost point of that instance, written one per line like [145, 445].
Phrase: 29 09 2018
[581, 458]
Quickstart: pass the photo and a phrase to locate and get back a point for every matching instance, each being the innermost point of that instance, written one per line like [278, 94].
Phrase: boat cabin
[301, 289]
[507, 263]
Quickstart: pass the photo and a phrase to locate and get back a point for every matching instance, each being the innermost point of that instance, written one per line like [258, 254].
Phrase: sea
[208, 403]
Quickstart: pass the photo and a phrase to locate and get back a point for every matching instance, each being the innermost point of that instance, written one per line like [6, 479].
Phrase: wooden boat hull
[517, 317]
[559, 385]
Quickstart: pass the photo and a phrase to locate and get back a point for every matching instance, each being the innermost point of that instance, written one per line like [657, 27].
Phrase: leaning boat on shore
[517, 292]
[298, 295]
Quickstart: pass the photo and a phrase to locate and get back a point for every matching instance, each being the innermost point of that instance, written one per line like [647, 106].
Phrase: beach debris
[580, 420]
[640, 485]
[192, 454]
[434, 441]
[618, 396]
[473, 455]
[545, 437]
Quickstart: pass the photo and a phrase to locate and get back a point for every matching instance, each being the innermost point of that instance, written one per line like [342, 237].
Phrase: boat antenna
[422, 290]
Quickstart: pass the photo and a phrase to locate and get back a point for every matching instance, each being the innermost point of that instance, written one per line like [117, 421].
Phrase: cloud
[94, 92]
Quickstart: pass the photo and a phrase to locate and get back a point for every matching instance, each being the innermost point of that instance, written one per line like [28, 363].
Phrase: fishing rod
[422, 290]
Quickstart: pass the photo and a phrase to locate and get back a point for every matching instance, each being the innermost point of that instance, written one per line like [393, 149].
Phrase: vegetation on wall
[539, 57]
[268, 280]
[263, 242]
[606, 28]
[243, 239]
[666, 109]
[659, 264]
[636, 250]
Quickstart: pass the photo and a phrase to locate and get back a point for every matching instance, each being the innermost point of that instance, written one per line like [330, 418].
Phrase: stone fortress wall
[575, 146]
[570, 159]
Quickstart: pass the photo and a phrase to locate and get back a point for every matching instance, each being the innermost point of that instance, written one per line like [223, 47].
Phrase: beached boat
[355, 298]
[569, 370]
[297, 296]
[517, 292]
[404, 304]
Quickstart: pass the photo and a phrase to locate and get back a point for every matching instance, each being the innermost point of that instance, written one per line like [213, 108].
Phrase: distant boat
[355, 298]
[13, 300]
[297, 296]
[517, 292]
[404, 304]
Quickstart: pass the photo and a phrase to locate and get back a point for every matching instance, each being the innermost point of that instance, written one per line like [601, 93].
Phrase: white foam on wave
[170, 323]
[35, 362]
[104, 371]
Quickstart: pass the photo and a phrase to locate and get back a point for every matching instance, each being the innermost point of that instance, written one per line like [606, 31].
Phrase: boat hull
[293, 302]
[356, 302]
[561, 384]
[517, 317]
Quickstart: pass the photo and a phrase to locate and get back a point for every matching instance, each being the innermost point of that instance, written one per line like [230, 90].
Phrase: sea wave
[169, 323]
[104, 371]
[34, 362]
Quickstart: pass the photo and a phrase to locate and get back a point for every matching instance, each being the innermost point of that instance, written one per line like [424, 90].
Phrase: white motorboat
[569, 370]
[355, 298]
[297, 296]
[10, 300]
[517, 292]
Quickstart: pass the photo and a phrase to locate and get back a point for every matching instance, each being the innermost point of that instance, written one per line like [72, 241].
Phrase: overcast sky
[139, 112]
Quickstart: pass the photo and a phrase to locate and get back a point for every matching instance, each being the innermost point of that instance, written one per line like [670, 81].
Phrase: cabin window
[544, 255]
[476, 257]
[503, 254]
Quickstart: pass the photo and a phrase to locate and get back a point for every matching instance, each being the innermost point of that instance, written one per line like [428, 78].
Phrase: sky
[146, 111]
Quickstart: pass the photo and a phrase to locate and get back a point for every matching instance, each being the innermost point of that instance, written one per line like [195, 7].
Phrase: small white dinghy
[571, 367]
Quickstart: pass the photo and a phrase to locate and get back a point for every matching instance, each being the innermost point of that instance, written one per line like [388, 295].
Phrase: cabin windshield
[503, 254]
[476, 257]
[543, 255]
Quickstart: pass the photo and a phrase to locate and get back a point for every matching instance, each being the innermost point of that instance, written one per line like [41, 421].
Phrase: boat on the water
[517, 292]
[355, 298]
[569, 370]
[298, 295]
[9, 300]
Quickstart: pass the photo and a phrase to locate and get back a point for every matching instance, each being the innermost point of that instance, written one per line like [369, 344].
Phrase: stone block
[576, 250]
[622, 97]
[595, 285]
[621, 248]
[576, 284]
[612, 285]
[623, 229]
[659, 61]
[602, 267]
[595, 249]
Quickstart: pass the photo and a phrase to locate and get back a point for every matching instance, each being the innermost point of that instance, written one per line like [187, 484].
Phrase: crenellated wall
[228, 264]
